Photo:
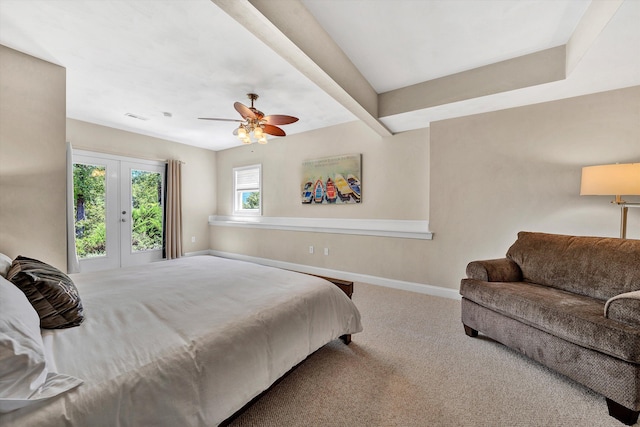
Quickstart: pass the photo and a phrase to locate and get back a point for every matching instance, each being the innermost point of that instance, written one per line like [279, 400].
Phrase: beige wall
[33, 135]
[387, 192]
[495, 174]
[32, 158]
[490, 176]
[477, 179]
[198, 172]
[395, 185]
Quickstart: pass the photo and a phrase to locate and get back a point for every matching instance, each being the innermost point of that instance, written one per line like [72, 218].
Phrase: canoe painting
[318, 192]
[354, 184]
[330, 192]
[332, 180]
[307, 192]
[344, 191]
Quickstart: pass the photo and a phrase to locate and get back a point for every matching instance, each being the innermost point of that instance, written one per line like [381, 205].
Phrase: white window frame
[239, 189]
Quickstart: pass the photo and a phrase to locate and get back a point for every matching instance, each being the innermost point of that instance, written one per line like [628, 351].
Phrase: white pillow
[24, 378]
[5, 264]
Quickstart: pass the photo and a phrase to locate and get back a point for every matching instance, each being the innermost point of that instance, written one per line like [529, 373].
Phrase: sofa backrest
[598, 267]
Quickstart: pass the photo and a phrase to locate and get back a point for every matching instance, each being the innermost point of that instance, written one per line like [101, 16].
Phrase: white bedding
[185, 342]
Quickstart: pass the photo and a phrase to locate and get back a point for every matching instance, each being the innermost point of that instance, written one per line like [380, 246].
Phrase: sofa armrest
[624, 308]
[494, 270]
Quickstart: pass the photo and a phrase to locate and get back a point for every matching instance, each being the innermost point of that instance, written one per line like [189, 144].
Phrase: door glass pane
[146, 210]
[89, 210]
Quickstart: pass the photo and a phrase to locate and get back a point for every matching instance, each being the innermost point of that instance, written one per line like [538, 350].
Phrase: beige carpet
[414, 366]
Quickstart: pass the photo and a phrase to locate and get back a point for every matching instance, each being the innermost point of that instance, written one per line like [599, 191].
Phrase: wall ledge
[407, 229]
[345, 275]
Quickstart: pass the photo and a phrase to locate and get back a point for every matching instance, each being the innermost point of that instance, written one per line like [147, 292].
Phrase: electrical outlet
[326, 251]
[310, 249]
[193, 239]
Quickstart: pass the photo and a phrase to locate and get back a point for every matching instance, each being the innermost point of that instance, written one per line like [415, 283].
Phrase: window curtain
[73, 266]
[173, 217]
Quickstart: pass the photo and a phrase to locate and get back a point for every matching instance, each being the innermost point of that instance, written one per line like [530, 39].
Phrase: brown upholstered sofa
[571, 303]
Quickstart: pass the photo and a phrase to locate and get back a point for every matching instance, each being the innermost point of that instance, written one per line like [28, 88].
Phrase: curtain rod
[114, 153]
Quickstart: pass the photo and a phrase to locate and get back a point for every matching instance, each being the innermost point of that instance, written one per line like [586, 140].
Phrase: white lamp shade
[242, 132]
[611, 180]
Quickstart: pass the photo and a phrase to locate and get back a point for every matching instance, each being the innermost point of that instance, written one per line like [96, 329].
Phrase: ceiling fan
[255, 123]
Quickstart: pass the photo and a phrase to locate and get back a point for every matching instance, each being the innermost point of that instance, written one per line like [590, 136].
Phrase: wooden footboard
[347, 288]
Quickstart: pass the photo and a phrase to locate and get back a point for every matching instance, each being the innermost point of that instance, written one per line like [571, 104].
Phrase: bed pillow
[5, 263]
[22, 362]
[50, 291]
[24, 378]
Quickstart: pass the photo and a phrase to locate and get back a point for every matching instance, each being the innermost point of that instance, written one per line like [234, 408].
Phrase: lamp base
[624, 211]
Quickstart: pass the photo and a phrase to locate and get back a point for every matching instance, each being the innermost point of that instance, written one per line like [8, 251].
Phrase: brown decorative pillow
[50, 291]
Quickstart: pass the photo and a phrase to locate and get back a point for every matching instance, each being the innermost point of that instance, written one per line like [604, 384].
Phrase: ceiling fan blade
[279, 119]
[220, 120]
[273, 130]
[244, 110]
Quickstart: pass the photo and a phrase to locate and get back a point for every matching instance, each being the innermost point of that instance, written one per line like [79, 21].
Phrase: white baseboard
[355, 277]
[196, 253]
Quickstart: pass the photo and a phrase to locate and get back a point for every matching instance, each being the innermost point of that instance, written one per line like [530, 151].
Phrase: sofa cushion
[598, 267]
[575, 318]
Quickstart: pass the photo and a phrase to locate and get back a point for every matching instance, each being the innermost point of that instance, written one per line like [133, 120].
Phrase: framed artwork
[332, 180]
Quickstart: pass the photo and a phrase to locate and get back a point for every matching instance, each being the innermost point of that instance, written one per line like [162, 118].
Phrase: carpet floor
[414, 366]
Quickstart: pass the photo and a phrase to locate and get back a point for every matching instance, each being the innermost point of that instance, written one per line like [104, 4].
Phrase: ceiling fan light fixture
[255, 125]
[251, 131]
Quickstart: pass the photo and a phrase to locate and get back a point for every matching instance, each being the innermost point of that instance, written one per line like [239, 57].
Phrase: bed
[186, 342]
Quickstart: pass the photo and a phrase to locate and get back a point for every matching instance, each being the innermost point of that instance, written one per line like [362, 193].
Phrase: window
[247, 181]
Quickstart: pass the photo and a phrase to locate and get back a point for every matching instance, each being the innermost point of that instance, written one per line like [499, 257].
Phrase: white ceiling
[195, 58]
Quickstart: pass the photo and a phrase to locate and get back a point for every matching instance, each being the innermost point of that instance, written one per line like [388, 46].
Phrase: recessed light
[133, 116]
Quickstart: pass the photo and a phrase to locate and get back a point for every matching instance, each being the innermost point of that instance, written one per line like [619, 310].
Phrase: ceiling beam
[517, 73]
[529, 70]
[290, 30]
[594, 20]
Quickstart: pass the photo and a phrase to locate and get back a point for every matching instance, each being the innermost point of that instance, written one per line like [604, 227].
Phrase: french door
[118, 210]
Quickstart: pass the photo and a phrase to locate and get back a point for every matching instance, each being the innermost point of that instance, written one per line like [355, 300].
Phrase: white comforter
[185, 342]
